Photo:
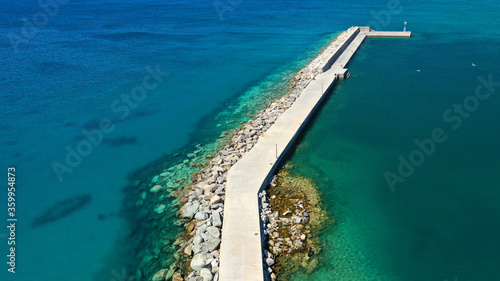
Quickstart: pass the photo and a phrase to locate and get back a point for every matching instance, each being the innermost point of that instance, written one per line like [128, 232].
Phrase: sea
[404, 152]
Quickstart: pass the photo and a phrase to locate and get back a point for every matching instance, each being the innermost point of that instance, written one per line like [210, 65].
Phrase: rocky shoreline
[202, 201]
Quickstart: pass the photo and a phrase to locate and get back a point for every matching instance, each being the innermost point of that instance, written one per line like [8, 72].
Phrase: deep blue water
[70, 72]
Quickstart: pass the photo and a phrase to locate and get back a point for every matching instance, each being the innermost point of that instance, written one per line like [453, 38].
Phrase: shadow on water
[62, 209]
[120, 141]
[95, 123]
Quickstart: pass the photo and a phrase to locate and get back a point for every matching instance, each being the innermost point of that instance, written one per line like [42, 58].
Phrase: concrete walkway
[241, 249]
[388, 34]
[241, 253]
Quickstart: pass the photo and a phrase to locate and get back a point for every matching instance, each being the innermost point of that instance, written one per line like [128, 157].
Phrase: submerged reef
[291, 217]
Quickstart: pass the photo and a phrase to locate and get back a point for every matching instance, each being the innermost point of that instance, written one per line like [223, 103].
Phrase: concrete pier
[241, 247]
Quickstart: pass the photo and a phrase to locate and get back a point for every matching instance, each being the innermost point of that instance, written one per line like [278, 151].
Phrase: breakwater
[241, 252]
[220, 209]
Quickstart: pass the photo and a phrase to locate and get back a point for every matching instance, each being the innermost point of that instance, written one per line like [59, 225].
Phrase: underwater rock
[61, 209]
[160, 208]
[156, 188]
[160, 275]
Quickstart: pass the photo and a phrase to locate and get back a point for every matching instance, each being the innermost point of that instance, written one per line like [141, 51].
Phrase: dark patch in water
[92, 124]
[9, 143]
[61, 209]
[69, 124]
[33, 111]
[5, 127]
[79, 138]
[95, 123]
[51, 68]
[17, 155]
[120, 141]
[142, 114]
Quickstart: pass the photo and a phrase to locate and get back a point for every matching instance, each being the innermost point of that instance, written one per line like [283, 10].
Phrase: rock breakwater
[199, 193]
[202, 204]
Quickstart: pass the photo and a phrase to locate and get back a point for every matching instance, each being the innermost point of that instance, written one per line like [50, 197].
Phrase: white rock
[269, 261]
[206, 274]
[214, 264]
[211, 245]
[198, 239]
[201, 229]
[216, 220]
[213, 231]
[189, 210]
[200, 216]
[198, 262]
[197, 248]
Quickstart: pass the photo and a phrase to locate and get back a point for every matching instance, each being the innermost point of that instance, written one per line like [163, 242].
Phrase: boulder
[198, 239]
[214, 264]
[160, 275]
[200, 216]
[211, 245]
[201, 229]
[213, 231]
[216, 220]
[206, 274]
[189, 210]
[198, 262]
[196, 248]
[177, 277]
[214, 200]
[188, 250]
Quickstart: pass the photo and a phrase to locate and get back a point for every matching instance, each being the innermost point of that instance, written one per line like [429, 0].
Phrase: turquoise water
[442, 221]
[67, 73]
